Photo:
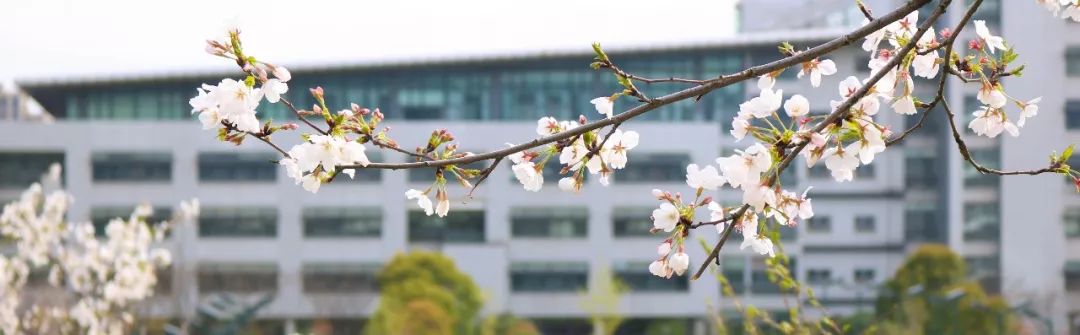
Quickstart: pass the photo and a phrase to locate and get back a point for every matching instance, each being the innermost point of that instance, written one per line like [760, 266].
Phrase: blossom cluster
[1067, 8]
[104, 277]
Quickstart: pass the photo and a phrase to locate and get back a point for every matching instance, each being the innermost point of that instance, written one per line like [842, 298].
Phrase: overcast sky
[65, 38]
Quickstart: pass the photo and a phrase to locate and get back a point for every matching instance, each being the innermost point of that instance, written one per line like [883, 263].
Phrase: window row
[823, 224]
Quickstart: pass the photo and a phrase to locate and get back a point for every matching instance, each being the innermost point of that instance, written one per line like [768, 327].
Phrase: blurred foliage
[602, 303]
[508, 325]
[930, 295]
[425, 293]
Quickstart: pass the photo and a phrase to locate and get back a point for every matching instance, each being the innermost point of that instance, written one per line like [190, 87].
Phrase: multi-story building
[130, 140]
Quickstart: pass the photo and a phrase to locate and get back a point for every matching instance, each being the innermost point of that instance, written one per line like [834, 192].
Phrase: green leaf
[600, 55]
[1066, 154]
[249, 81]
[1017, 72]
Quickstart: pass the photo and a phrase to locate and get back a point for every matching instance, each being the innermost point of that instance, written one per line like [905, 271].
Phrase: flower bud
[657, 193]
[317, 92]
[663, 249]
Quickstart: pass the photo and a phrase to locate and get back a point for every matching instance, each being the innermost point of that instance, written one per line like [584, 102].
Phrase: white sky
[65, 38]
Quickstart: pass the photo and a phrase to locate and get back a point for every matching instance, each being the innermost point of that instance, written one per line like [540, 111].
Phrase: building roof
[735, 41]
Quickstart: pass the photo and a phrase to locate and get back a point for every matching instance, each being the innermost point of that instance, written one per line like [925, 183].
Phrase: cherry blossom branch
[300, 115]
[838, 114]
[1054, 167]
[706, 87]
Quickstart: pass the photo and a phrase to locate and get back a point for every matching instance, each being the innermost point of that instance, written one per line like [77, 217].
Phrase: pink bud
[974, 45]
[663, 249]
[657, 193]
[946, 33]
[317, 91]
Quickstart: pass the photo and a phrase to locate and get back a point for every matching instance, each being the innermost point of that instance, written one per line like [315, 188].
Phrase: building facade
[541, 255]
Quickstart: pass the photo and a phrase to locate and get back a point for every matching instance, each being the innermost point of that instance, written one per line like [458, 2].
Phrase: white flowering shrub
[902, 46]
[92, 282]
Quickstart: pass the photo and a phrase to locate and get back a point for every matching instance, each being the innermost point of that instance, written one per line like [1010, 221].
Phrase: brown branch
[300, 116]
[840, 112]
[706, 87]
[665, 80]
[484, 174]
[962, 147]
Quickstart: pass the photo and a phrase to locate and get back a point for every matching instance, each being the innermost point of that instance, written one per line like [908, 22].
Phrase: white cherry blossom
[273, 89]
[842, 163]
[706, 178]
[547, 126]
[679, 262]
[617, 147]
[717, 213]
[604, 105]
[660, 268]
[766, 82]
[991, 96]
[569, 184]
[816, 69]
[422, 200]
[1028, 109]
[991, 122]
[739, 127]
[871, 143]
[759, 196]
[666, 217]
[760, 244]
[797, 106]
[663, 249]
[745, 167]
[992, 41]
[527, 174]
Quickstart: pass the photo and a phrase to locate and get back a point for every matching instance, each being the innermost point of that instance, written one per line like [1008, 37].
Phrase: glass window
[1072, 113]
[734, 269]
[864, 276]
[340, 278]
[1072, 276]
[819, 224]
[238, 222]
[632, 222]
[991, 158]
[982, 222]
[865, 224]
[237, 278]
[100, 216]
[549, 222]
[1072, 61]
[920, 223]
[464, 226]
[549, 276]
[132, 167]
[20, 169]
[234, 166]
[636, 276]
[654, 168]
[989, 11]
[1072, 222]
[759, 277]
[818, 276]
[986, 270]
[919, 169]
[422, 103]
[564, 326]
[342, 222]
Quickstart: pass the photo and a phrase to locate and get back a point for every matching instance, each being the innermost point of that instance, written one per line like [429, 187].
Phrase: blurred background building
[126, 140]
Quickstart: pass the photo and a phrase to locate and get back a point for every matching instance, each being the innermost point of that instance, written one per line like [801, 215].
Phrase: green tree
[424, 293]
[930, 295]
[507, 324]
[602, 303]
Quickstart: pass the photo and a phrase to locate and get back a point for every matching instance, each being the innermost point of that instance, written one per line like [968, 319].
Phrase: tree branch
[840, 112]
[706, 87]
